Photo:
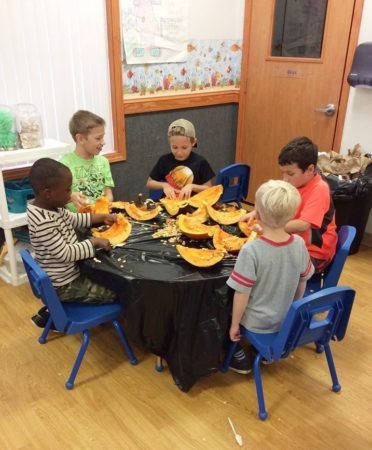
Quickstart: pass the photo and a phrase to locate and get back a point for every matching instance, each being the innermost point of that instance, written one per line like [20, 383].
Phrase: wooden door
[292, 67]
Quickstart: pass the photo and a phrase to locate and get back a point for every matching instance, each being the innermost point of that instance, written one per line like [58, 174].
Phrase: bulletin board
[212, 56]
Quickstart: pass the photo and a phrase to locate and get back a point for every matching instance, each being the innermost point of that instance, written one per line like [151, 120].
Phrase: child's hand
[109, 219]
[250, 217]
[234, 333]
[101, 243]
[185, 192]
[169, 191]
[78, 199]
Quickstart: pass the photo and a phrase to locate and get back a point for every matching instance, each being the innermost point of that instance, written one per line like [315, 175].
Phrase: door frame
[344, 95]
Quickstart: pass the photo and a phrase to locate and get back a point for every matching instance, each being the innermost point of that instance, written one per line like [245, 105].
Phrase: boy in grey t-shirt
[271, 271]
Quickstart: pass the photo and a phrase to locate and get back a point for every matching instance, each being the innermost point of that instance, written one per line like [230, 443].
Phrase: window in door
[298, 28]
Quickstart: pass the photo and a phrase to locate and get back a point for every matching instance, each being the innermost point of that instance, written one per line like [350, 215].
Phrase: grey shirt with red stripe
[270, 272]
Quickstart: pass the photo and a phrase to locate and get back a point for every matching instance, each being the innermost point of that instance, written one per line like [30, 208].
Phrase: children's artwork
[212, 63]
[154, 30]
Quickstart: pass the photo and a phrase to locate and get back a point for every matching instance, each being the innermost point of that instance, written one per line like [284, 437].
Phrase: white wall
[358, 121]
[53, 53]
[216, 19]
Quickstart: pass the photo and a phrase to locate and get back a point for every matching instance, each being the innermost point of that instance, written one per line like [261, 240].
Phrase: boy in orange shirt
[314, 220]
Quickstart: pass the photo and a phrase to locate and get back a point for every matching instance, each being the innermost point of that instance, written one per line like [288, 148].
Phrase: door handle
[329, 110]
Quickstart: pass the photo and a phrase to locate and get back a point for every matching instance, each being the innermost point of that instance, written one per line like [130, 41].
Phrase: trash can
[352, 200]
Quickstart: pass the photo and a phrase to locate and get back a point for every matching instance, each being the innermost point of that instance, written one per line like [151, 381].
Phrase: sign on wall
[154, 31]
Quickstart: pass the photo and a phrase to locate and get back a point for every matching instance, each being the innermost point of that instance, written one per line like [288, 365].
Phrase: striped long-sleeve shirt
[54, 240]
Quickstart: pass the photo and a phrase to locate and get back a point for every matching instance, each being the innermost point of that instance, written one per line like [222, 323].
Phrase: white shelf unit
[15, 159]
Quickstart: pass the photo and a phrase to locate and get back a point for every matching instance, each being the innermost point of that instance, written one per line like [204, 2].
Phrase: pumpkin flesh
[210, 196]
[117, 232]
[173, 206]
[226, 241]
[141, 214]
[226, 217]
[194, 229]
[200, 257]
[247, 230]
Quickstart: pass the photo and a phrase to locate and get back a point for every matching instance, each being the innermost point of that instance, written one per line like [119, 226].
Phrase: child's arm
[108, 194]
[239, 305]
[300, 290]
[296, 226]
[107, 219]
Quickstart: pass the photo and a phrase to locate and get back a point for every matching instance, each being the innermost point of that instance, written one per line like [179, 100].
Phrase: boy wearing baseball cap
[181, 172]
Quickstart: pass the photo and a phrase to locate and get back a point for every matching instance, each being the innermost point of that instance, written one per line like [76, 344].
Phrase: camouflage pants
[84, 290]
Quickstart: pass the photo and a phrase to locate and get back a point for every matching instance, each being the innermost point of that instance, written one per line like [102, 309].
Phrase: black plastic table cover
[175, 310]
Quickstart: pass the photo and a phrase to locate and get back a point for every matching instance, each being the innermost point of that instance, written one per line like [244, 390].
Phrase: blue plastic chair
[72, 318]
[235, 182]
[330, 276]
[156, 194]
[300, 327]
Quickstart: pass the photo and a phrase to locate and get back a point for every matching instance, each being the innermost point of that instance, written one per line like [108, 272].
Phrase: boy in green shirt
[91, 174]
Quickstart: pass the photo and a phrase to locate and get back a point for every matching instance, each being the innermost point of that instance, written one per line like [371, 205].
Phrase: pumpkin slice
[247, 229]
[209, 196]
[141, 214]
[118, 232]
[200, 214]
[200, 257]
[193, 228]
[226, 241]
[118, 205]
[226, 217]
[102, 206]
[173, 205]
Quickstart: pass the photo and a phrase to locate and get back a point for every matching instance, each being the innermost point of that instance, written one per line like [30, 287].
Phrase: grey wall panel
[146, 140]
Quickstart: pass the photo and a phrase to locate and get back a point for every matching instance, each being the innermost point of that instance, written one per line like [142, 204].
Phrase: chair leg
[336, 387]
[159, 364]
[44, 334]
[124, 341]
[84, 345]
[229, 355]
[262, 414]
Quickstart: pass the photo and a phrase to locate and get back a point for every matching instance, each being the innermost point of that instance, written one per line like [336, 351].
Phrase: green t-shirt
[89, 176]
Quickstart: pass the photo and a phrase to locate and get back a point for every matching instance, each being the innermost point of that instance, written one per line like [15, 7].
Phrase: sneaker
[240, 363]
[41, 318]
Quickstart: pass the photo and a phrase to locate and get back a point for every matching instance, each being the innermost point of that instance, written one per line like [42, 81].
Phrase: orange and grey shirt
[270, 272]
[317, 208]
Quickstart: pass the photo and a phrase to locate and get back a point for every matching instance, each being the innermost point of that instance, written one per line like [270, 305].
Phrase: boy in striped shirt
[54, 240]
[271, 271]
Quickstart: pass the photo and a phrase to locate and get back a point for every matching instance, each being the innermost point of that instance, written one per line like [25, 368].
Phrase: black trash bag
[349, 189]
[363, 186]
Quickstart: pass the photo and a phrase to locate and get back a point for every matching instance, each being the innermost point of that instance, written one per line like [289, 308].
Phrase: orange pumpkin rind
[210, 196]
[118, 232]
[173, 206]
[194, 229]
[200, 257]
[226, 217]
[139, 214]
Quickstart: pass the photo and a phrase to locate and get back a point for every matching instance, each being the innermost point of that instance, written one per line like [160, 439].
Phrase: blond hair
[276, 202]
[83, 121]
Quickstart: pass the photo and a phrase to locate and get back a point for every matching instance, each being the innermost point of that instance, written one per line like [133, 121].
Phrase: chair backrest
[43, 289]
[332, 273]
[156, 194]
[235, 182]
[319, 317]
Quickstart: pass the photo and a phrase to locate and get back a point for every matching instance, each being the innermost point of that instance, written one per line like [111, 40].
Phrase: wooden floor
[118, 406]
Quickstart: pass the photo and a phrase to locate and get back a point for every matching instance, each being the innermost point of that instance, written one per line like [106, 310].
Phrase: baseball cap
[188, 128]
